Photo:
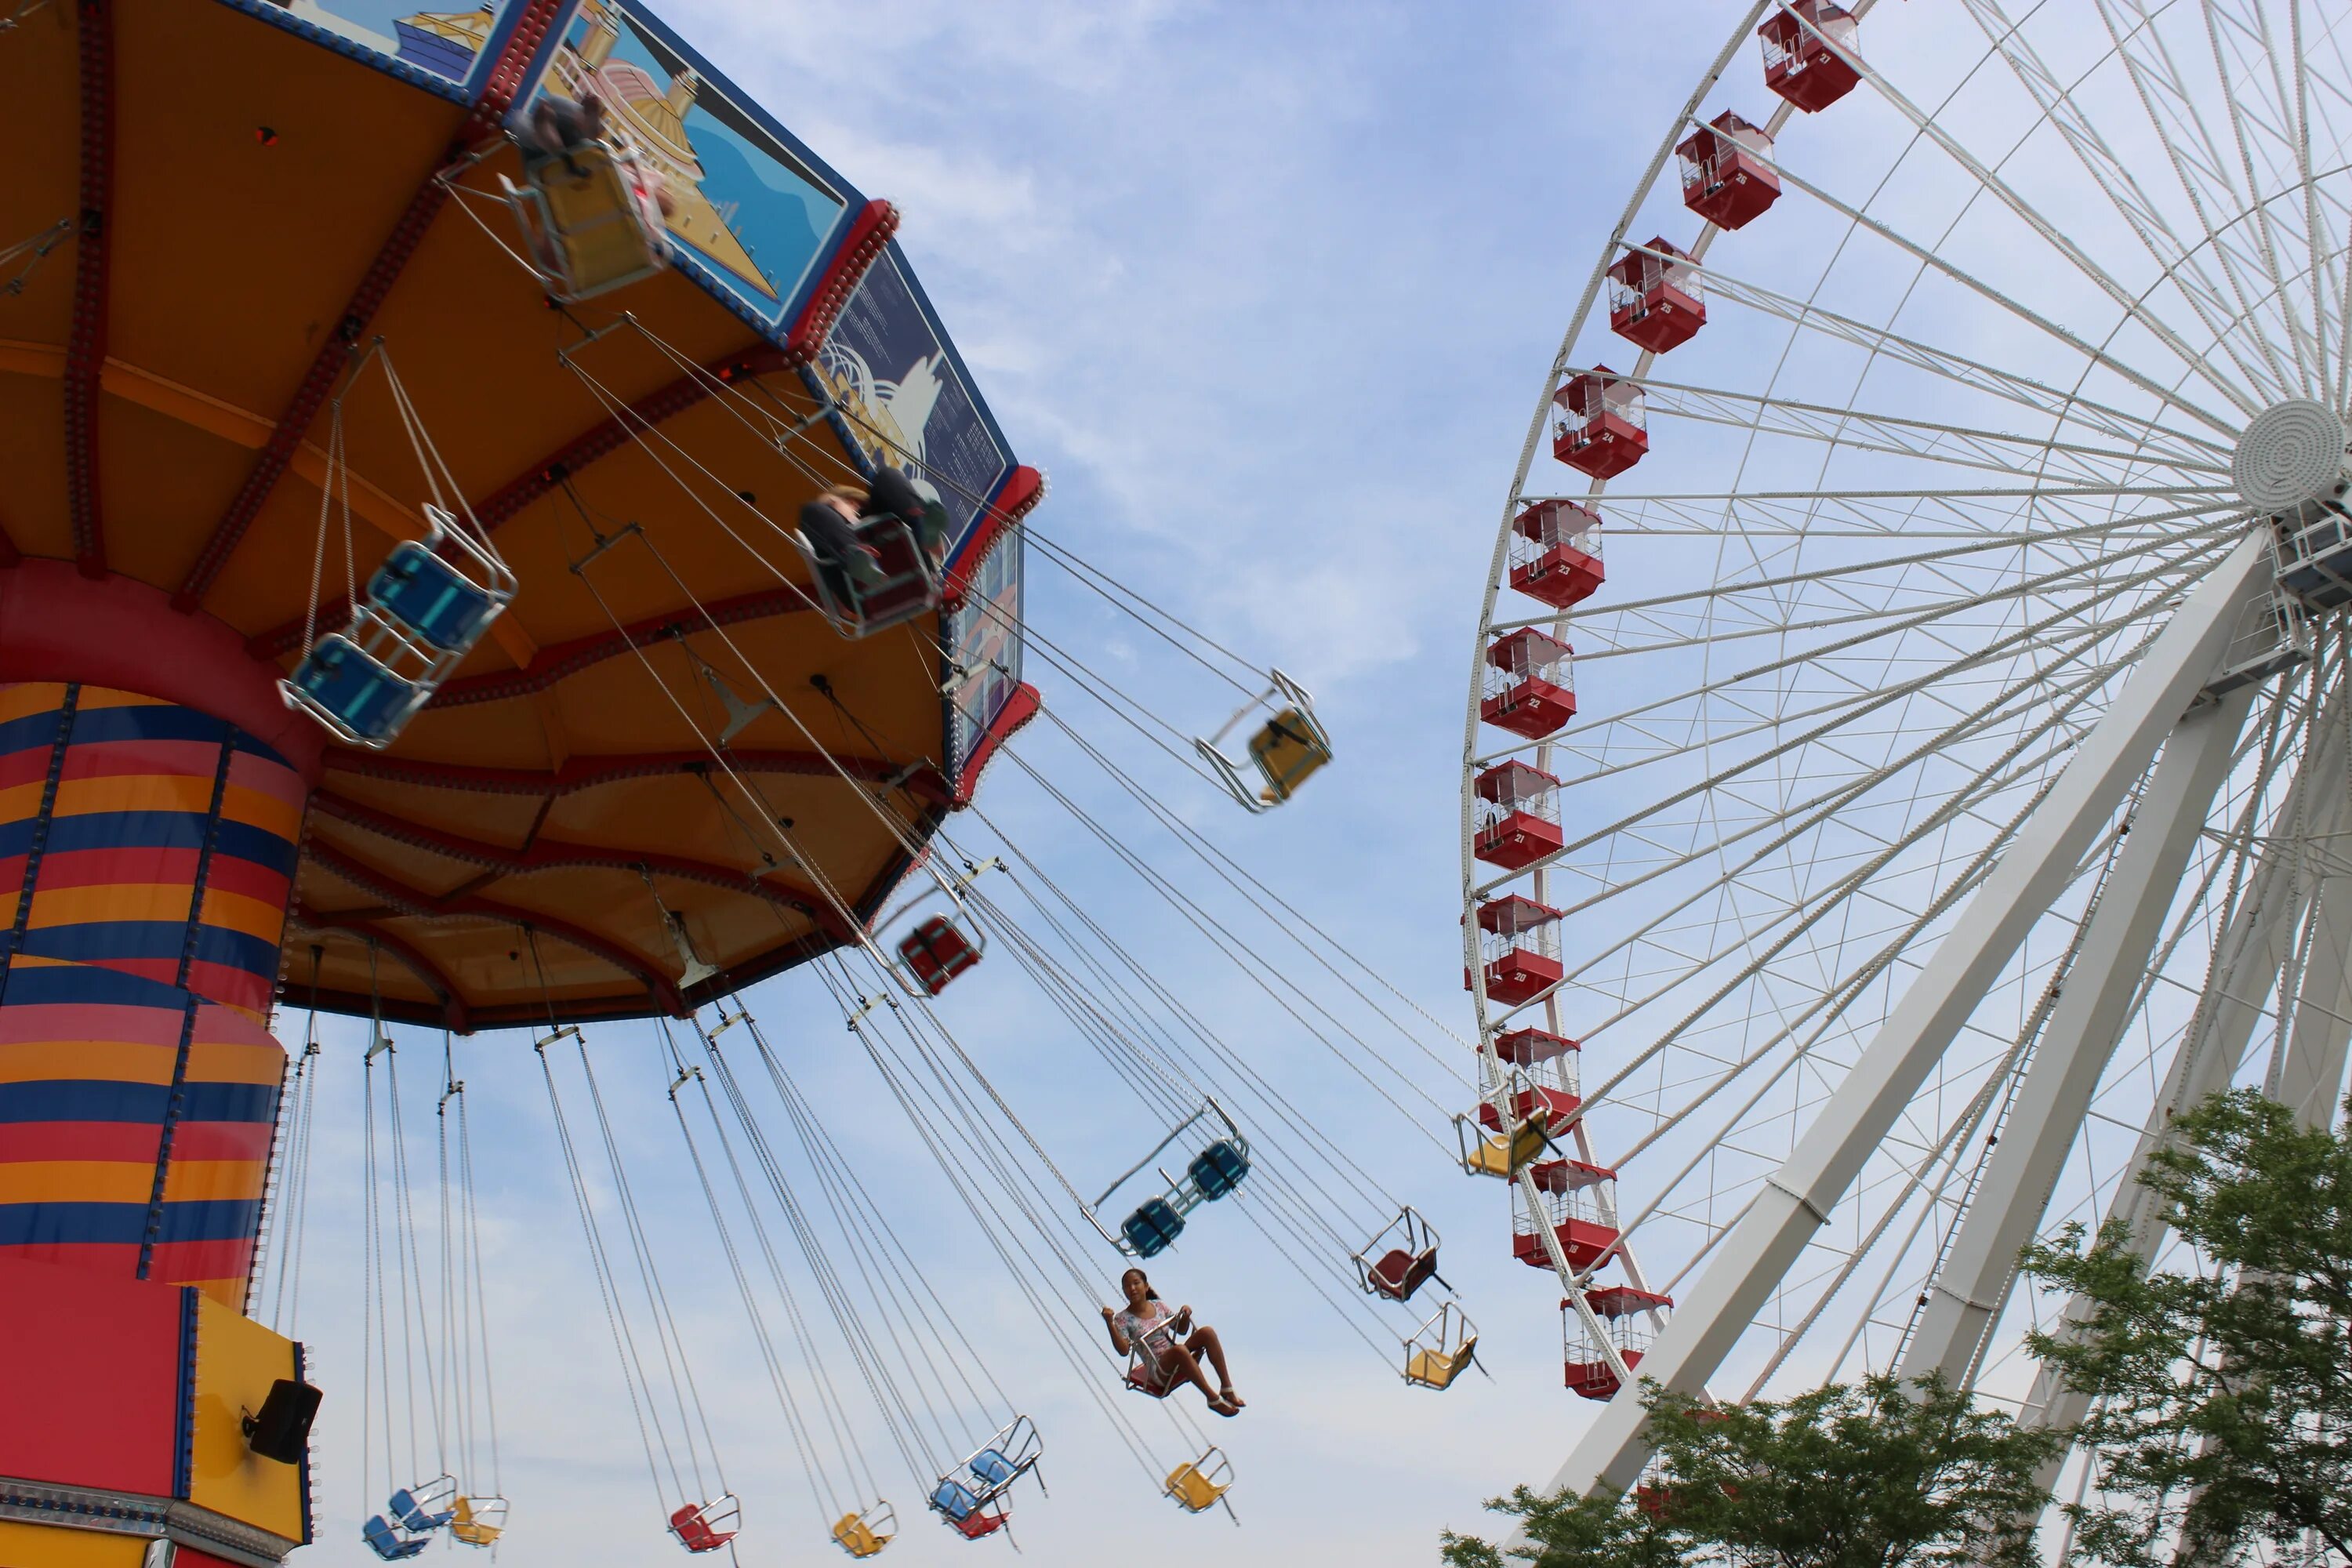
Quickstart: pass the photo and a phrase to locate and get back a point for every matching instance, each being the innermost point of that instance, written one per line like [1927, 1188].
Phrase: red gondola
[1798, 64]
[1519, 815]
[1531, 684]
[1543, 1079]
[1572, 1211]
[1626, 1317]
[1655, 298]
[1725, 178]
[1603, 429]
[1556, 553]
[1519, 945]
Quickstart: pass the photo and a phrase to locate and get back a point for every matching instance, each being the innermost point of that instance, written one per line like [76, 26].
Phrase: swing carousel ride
[1953, 792]
[419, 601]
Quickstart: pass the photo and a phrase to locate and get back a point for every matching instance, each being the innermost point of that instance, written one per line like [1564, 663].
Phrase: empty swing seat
[1200, 1485]
[1399, 1273]
[388, 1543]
[1287, 751]
[431, 598]
[994, 1469]
[1218, 1169]
[1152, 1226]
[418, 1508]
[935, 952]
[856, 1536]
[705, 1526]
[479, 1520]
[1505, 1157]
[1438, 1368]
[342, 683]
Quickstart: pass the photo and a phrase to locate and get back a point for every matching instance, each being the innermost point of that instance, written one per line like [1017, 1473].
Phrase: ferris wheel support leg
[2249, 958]
[1797, 1201]
[2077, 1041]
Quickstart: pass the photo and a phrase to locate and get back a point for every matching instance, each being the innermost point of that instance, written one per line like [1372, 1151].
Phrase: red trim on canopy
[1015, 499]
[869, 232]
[1018, 710]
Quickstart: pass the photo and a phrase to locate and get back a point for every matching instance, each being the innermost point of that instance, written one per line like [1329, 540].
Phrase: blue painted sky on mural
[1268, 291]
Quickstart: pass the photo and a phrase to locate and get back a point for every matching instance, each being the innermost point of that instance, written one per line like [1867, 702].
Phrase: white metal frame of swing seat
[392, 652]
[1275, 791]
[865, 1531]
[1502, 1155]
[629, 242]
[1196, 1486]
[1182, 1193]
[1147, 1370]
[410, 1517]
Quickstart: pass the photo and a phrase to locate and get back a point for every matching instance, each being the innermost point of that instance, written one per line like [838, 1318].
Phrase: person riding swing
[1167, 1347]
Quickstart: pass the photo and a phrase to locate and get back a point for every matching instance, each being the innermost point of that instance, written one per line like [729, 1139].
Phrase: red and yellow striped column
[147, 854]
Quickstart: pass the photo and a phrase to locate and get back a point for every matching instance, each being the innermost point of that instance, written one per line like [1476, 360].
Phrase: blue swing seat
[1219, 1168]
[955, 1499]
[1152, 1226]
[431, 598]
[344, 681]
[389, 1543]
[414, 1515]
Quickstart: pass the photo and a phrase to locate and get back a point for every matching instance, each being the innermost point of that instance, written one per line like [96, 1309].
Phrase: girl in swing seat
[1181, 1349]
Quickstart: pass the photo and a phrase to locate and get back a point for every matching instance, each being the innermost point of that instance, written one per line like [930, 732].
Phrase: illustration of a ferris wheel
[1959, 781]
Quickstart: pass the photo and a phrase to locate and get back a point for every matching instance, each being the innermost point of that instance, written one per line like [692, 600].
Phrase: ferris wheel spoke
[1960, 599]
[2025, 637]
[2171, 446]
[2323, 281]
[1932, 259]
[2131, 304]
[2123, 191]
[1922, 439]
[2253, 110]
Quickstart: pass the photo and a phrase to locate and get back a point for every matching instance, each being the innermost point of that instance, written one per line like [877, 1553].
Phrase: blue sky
[1268, 291]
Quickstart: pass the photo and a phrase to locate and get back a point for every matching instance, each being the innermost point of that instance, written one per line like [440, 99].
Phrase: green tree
[1873, 1476]
[2224, 1392]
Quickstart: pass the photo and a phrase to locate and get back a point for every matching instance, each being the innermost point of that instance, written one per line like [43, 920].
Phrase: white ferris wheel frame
[2164, 732]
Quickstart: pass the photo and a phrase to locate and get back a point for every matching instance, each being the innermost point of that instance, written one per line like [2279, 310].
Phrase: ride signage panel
[444, 50]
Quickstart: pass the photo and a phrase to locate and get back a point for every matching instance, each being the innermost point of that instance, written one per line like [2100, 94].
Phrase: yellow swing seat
[1288, 750]
[1200, 1485]
[1507, 1157]
[594, 235]
[857, 1537]
[1438, 1368]
[479, 1523]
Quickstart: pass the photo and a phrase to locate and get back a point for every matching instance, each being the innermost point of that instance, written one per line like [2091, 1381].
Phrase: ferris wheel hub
[2290, 455]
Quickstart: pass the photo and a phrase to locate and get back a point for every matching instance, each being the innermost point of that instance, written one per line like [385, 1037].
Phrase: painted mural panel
[985, 635]
[903, 398]
[750, 215]
[446, 44]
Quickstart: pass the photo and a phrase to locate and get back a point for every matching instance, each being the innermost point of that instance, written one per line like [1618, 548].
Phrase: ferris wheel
[1944, 780]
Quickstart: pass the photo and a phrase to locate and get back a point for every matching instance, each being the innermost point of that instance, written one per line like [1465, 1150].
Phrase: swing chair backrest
[865, 1534]
[479, 1520]
[592, 229]
[936, 951]
[706, 1527]
[426, 1506]
[1288, 750]
[1399, 1273]
[1499, 1156]
[353, 692]
[1219, 1168]
[431, 598]
[1442, 1349]
[1199, 1485]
